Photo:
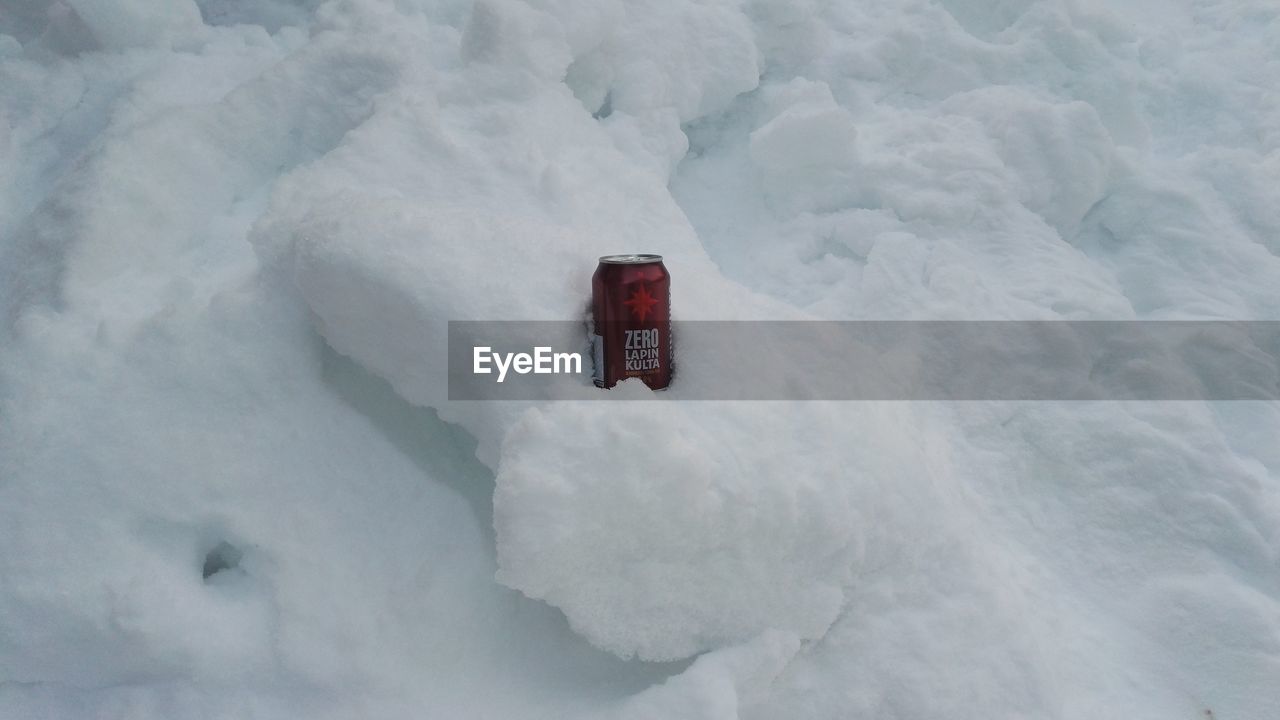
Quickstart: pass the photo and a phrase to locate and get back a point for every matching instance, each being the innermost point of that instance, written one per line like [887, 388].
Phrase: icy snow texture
[695, 533]
[232, 232]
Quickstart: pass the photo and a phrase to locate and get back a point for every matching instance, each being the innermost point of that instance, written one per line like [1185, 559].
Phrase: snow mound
[663, 531]
[1060, 154]
[806, 153]
[358, 231]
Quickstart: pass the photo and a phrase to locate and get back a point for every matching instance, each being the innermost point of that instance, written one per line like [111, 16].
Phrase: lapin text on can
[631, 304]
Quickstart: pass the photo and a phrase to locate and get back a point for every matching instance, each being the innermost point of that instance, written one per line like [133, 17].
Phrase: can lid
[633, 259]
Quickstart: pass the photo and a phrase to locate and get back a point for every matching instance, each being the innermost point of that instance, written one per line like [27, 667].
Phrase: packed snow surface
[232, 484]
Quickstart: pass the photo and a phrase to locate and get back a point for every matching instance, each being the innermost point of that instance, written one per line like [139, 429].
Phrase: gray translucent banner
[893, 360]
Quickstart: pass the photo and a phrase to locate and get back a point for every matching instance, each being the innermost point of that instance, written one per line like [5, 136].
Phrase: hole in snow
[223, 557]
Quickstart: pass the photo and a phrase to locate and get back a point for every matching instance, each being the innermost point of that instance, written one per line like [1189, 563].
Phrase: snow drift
[232, 234]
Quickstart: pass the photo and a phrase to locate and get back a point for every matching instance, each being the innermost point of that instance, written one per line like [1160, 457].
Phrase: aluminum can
[631, 308]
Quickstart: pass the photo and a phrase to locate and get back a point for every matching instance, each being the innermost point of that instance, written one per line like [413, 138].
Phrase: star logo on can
[641, 302]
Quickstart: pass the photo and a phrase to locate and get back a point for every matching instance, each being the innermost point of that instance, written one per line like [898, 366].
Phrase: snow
[232, 235]
[124, 23]
[694, 537]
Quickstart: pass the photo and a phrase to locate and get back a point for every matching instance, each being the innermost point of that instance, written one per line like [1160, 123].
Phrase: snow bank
[1060, 155]
[371, 302]
[663, 531]
[806, 151]
[232, 235]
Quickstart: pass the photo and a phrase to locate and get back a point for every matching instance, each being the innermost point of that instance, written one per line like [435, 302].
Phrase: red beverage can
[631, 304]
